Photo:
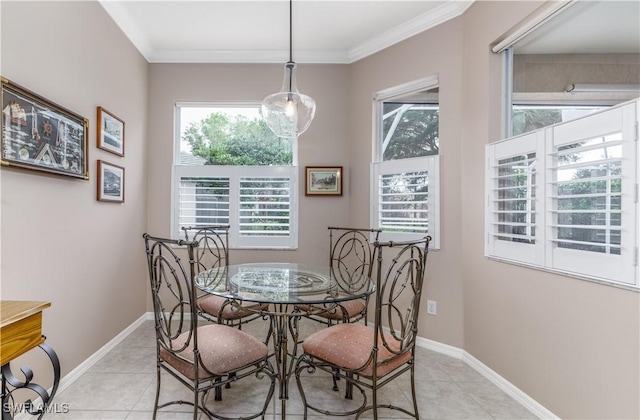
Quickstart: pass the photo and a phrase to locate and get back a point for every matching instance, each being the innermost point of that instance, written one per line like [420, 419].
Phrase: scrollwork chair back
[203, 358]
[374, 356]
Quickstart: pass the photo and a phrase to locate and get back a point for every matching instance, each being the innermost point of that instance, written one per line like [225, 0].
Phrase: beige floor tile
[148, 415]
[458, 370]
[446, 400]
[122, 385]
[125, 359]
[89, 414]
[495, 401]
[143, 336]
[105, 392]
[170, 390]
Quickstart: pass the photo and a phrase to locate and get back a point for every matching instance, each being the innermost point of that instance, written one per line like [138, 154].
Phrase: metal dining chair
[370, 357]
[202, 358]
[213, 254]
[351, 258]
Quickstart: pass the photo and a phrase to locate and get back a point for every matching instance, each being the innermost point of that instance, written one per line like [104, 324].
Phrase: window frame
[606, 268]
[506, 46]
[235, 175]
[430, 164]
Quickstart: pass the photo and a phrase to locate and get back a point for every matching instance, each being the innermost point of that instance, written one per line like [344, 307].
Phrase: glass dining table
[291, 291]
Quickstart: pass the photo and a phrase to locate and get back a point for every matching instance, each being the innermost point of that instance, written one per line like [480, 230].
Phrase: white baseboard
[70, 377]
[440, 348]
[507, 387]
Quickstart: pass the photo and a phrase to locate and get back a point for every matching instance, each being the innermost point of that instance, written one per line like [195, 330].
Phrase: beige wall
[541, 332]
[435, 52]
[572, 345]
[324, 143]
[58, 243]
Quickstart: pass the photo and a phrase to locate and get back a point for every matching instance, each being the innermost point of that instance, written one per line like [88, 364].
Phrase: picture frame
[110, 135]
[110, 182]
[41, 135]
[323, 180]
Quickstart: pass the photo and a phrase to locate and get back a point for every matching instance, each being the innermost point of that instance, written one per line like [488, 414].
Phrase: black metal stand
[10, 384]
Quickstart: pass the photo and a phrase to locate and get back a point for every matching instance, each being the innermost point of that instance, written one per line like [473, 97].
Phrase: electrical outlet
[431, 307]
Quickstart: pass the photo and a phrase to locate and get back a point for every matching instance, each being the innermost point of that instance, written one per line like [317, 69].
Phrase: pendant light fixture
[289, 113]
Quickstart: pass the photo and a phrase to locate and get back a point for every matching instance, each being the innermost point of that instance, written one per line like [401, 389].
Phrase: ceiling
[257, 31]
[342, 31]
[587, 27]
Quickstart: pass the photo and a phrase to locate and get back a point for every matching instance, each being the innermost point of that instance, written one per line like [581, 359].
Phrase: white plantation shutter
[203, 201]
[515, 197]
[564, 198]
[264, 206]
[403, 202]
[591, 195]
[406, 199]
[257, 202]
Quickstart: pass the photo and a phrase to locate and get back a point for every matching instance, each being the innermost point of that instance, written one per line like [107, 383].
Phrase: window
[513, 186]
[405, 174]
[230, 169]
[564, 198]
[565, 60]
[526, 118]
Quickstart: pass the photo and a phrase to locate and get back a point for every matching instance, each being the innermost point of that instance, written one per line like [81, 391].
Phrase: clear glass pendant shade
[288, 113]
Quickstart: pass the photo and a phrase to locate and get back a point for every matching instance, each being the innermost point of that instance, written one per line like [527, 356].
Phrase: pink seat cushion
[223, 349]
[212, 305]
[353, 308]
[349, 346]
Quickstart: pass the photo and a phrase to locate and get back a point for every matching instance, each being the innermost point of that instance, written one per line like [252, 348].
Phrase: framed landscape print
[40, 135]
[323, 180]
[110, 182]
[110, 132]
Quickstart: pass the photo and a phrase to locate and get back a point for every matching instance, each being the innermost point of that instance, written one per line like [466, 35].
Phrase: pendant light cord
[290, 64]
[291, 31]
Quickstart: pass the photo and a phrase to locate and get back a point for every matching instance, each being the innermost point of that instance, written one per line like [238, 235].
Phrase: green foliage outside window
[526, 119]
[416, 134]
[409, 130]
[239, 141]
[221, 139]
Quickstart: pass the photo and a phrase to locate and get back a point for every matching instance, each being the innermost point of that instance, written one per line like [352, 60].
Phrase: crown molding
[247, 56]
[128, 26]
[401, 32]
[410, 28]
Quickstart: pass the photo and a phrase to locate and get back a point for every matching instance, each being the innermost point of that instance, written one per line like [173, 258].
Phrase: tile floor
[122, 385]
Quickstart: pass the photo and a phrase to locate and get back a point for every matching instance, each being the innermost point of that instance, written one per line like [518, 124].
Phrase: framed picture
[110, 182]
[110, 132]
[38, 134]
[323, 180]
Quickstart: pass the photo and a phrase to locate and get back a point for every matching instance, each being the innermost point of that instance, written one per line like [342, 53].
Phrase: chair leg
[413, 391]
[218, 392]
[195, 398]
[158, 379]
[348, 389]
[336, 378]
[231, 376]
[374, 400]
[303, 396]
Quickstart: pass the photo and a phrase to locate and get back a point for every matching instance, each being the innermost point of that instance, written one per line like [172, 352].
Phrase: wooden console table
[21, 331]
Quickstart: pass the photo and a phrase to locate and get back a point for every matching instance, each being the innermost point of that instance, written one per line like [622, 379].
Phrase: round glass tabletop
[284, 283]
